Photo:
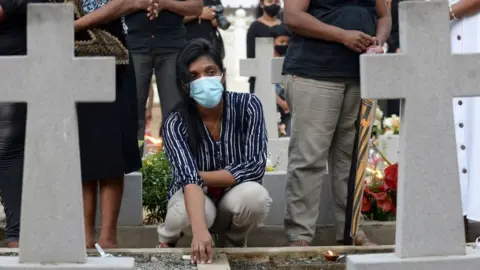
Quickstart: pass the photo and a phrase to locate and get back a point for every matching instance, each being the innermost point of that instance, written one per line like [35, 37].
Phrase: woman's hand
[201, 249]
[283, 104]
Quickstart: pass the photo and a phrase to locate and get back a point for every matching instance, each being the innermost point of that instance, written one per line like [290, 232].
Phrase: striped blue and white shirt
[242, 148]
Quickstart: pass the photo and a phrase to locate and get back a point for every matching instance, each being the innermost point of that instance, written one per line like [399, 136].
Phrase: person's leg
[111, 193]
[315, 108]
[143, 65]
[178, 222]
[90, 190]
[242, 209]
[168, 92]
[12, 144]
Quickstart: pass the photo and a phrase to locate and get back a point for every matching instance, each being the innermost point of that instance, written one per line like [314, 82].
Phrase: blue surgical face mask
[207, 91]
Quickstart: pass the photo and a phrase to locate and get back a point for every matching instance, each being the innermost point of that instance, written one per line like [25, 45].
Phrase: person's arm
[303, 23]
[8, 7]
[111, 11]
[384, 22]
[465, 8]
[300, 21]
[251, 41]
[184, 169]
[184, 8]
[255, 148]
[187, 19]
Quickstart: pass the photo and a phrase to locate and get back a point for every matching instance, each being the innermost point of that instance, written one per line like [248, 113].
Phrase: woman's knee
[251, 199]
[177, 213]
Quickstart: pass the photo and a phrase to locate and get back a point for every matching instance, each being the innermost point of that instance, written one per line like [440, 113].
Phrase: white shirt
[465, 38]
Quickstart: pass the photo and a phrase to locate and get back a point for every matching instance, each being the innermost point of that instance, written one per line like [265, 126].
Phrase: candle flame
[331, 253]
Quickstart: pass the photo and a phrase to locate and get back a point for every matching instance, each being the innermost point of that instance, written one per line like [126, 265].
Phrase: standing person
[321, 71]
[107, 131]
[216, 142]
[267, 17]
[281, 38]
[154, 45]
[13, 41]
[464, 37]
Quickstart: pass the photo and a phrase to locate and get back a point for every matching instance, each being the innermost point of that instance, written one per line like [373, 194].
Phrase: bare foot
[90, 245]
[12, 245]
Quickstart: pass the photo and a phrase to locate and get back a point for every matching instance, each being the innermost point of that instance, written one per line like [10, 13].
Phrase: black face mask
[281, 49]
[272, 10]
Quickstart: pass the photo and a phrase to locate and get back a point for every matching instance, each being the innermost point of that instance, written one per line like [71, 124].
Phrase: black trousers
[168, 92]
[12, 146]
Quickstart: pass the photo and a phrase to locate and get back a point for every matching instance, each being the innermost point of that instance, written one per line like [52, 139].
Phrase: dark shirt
[242, 149]
[317, 59]
[201, 28]
[13, 30]
[164, 35]
[256, 29]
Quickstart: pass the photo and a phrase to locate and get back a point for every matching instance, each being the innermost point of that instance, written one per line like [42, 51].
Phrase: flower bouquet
[380, 192]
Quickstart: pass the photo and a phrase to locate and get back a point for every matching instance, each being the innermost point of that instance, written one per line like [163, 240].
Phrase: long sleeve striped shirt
[241, 150]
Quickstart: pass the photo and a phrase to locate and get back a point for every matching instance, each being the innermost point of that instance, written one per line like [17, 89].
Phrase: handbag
[96, 41]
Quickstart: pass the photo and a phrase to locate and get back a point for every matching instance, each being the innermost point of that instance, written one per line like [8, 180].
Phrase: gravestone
[264, 88]
[429, 231]
[131, 212]
[52, 81]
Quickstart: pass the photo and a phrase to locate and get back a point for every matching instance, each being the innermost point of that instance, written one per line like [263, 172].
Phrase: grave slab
[390, 261]
[430, 230]
[264, 88]
[275, 182]
[131, 212]
[10, 263]
[52, 226]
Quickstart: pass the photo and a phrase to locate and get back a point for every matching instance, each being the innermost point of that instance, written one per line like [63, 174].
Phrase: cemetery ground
[265, 247]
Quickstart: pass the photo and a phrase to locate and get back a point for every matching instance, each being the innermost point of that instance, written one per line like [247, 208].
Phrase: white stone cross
[261, 68]
[52, 81]
[427, 77]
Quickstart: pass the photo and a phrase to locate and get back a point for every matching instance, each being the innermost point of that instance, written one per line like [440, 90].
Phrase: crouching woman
[216, 142]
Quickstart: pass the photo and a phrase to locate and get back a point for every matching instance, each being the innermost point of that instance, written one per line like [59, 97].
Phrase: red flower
[386, 205]
[366, 205]
[391, 177]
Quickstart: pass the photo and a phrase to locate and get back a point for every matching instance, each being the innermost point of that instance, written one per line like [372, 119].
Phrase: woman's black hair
[259, 10]
[193, 50]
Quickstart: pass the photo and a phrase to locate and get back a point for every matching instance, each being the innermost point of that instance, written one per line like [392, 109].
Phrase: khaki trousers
[241, 209]
[323, 126]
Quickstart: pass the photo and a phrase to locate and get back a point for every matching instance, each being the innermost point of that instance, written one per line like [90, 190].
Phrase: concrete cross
[264, 88]
[52, 82]
[427, 78]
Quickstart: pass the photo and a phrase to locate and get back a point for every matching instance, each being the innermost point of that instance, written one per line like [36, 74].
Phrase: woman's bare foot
[12, 245]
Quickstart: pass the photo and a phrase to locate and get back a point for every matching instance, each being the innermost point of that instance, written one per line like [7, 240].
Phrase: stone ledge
[382, 233]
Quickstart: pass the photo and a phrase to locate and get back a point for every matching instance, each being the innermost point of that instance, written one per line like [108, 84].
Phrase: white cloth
[465, 38]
